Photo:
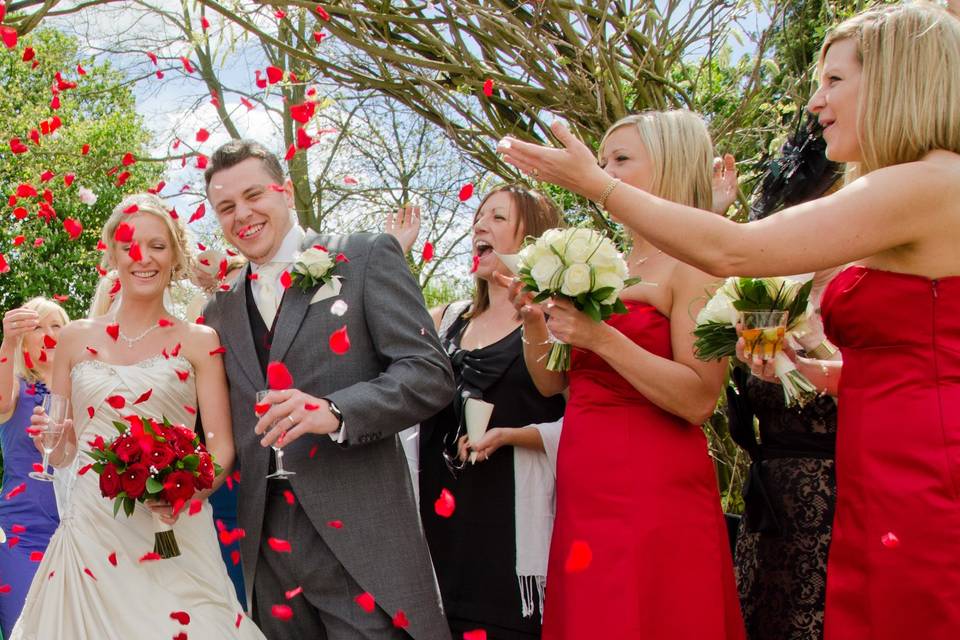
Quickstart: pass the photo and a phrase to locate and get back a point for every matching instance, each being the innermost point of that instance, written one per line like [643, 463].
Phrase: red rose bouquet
[153, 461]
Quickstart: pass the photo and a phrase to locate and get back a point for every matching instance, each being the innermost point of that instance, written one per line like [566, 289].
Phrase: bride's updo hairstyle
[680, 151]
[146, 204]
[909, 102]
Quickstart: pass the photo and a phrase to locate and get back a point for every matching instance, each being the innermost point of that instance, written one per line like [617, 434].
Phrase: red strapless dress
[636, 487]
[894, 564]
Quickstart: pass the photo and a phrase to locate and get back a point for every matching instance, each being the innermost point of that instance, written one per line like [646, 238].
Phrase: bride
[92, 581]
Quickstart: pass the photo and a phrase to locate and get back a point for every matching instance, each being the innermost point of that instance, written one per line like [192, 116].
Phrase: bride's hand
[164, 510]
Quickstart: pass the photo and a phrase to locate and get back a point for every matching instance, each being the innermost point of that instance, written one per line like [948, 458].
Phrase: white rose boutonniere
[314, 267]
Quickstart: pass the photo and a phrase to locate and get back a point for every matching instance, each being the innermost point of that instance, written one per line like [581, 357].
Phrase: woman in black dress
[781, 551]
[480, 551]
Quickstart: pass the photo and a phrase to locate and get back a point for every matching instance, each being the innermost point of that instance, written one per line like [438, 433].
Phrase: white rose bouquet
[716, 329]
[313, 267]
[580, 265]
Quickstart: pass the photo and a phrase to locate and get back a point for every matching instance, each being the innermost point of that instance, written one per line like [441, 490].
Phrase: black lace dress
[781, 552]
[474, 551]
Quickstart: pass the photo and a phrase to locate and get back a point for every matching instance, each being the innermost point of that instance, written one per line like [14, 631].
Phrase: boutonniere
[313, 267]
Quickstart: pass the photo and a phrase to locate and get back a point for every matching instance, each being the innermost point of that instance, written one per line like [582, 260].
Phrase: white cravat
[268, 293]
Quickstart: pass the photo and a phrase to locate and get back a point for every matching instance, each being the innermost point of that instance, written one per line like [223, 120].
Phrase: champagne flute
[763, 332]
[277, 451]
[57, 408]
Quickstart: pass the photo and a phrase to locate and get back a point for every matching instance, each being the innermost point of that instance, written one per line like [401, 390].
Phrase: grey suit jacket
[394, 375]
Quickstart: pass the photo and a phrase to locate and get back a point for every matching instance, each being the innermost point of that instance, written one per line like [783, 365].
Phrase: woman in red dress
[889, 99]
[640, 548]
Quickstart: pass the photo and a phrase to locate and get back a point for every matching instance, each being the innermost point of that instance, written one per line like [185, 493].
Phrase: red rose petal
[89, 573]
[261, 408]
[278, 545]
[112, 558]
[239, 620]
[288, 496]
[4, 266]
[274, 75]
[476, 634]
[117, 402]
[68, 179]
[90, 411]
[286, 280]
[186, 64]
[218, 351]
[488, 87]
[278, 376]
[163, 322]
[181, 616]
[72, 227]
[579, 557]
[366, 602]
[37, 466]
[466, 192]
[322, 13]
[400, 620]
[293, 593]
[195, 507]
[36, 556]
[427, 251]
[198, 213]
[176, 351]
[202, 135]
[183, 375]
[235, 557]
[143, 397]
[124, 233]
[313, 451]
[150, 556]
[445, 504]
[13, 541]
[335, 524]
[181, 636]
[249, 105]
[340, 341]
[83, 470]
[85, 149]
[890, 540]
[281, 612]
[191, 410]
[17, 528]
[311, 407]
[128, 159]
[476, 263]
[17, 490]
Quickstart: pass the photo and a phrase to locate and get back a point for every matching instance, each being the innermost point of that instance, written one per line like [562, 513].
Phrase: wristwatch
[823, 351]
[335, 410]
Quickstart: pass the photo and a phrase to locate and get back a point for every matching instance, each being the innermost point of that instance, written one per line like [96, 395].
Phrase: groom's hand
[292, 414]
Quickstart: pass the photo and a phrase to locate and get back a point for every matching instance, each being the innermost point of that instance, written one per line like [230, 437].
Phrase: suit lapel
[240, 337]
[293, 310]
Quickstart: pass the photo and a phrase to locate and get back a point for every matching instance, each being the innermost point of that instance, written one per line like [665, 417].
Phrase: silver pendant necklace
[132, 341]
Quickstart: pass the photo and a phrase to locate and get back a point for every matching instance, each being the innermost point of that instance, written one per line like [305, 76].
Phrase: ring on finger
[290, 418]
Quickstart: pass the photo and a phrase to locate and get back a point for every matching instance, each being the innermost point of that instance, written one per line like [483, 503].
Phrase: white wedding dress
[132, 599]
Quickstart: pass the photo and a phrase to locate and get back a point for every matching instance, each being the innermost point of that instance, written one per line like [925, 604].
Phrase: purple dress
[33, 508]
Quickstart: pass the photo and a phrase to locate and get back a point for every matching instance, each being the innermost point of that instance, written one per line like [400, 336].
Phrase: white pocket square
[328, 290]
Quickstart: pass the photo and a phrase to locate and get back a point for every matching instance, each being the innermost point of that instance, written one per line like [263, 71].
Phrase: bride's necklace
[132, 341]
[639, 261]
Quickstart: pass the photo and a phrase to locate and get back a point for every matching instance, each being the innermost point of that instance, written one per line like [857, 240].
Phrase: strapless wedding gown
[78, 592]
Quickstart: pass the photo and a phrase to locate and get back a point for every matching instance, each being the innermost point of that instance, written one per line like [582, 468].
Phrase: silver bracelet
[607, 190]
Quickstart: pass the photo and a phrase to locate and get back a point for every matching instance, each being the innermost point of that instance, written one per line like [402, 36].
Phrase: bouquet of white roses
[716, 329]
[580, 265]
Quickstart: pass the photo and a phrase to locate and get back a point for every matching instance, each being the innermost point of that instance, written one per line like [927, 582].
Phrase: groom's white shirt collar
[289, 248]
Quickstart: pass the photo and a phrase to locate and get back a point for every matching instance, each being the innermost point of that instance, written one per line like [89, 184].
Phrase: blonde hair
[44, 307]
[909, 102]
[681, 154]
[146, 203]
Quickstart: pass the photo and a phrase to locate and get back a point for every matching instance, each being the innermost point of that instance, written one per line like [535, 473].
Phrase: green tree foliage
[42, 256]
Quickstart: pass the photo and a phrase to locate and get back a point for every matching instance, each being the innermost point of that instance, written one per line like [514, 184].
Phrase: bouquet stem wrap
[559, 357]
[164, 540]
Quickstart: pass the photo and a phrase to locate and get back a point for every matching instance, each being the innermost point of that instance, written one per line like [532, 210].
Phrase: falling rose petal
[176, 350]
[46, 176]
[143, 397]
[318, 36]
[366, 602]
[49, 342]
[122, 178]
[150, 556]
[55, 103]
[427, 251]
[117, 402]
[445, 505]
[303, 112]
[281, 612]
[890, 540]
[87, 571]
[199, 213]
[26, 190]
[113, 558]
[288, 496]
[13, 541]
[202, 135]
[304, 141]
[293, 593]
[36, 556]
[18, 147]
[202, 161]
[195, 507]
[181, 616]
[476, 634]
[249, 105]
[579, 557]
[488, 87]
[335, 524]
[37, 466]
[18, 240]
[135, 253]
[322, 13]
[286, 280]
[239, 620]
[311, 407]
[261, 408]
[291, 151]
[191, 410]
[17, 528]
[4, 266]
[90, 412]
[164, 322]
[128, 159]
[183, 375]
[476, 264]
[181, 636]
[350, 180]
[274, 74]
[278, 545]
[278, 376]
[340, 341]
[81, 71]
[188, 67]
[204, 23]
[280, 15]
[124, 233]
[235, 557]
[82, 471]
[28, 54]
[313, 451]
[466, 192]
[5, 588]
[17, 490]
[400, 620]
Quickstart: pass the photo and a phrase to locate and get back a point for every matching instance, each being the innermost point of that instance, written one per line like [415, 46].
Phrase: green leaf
[592, 310]
[117, 503]
[120, 426]
[128, 505]
[153, 485]
[542, 296]
[191, 462]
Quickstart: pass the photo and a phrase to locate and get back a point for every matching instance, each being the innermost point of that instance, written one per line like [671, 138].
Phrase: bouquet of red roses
[150, 460]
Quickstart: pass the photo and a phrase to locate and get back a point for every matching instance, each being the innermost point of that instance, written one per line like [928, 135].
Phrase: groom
[356, 545]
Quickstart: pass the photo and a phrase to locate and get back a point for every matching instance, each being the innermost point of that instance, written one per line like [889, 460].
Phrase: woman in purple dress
[28, 511]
